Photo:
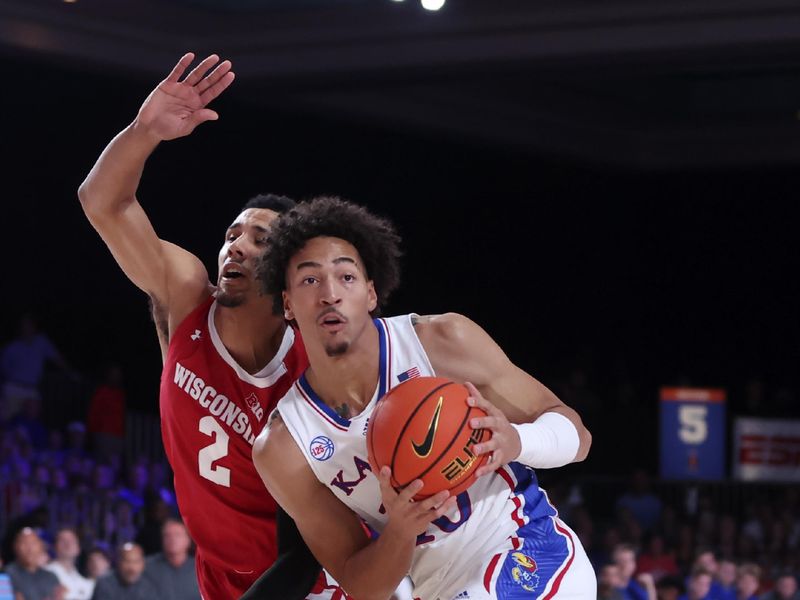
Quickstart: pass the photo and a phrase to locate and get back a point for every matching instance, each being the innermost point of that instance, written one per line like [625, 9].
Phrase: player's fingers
[489, 466]
[445, 507]
[485, 422]
[487, 446]
[435, 501]
[200, 70]
[180, 67]
[476, 399]
[216, 89]
[411, 490]
[215, 75]
[201, 116]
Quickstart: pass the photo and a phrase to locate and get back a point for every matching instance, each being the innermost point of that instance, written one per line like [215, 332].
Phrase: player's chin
[230, 299]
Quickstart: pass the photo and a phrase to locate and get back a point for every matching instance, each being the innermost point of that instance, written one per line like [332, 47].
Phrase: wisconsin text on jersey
[219, 405]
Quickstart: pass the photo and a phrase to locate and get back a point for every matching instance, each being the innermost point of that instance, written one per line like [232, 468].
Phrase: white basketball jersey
[488, 513]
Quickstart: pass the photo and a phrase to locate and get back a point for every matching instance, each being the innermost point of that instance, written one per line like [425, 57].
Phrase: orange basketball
[420, 429]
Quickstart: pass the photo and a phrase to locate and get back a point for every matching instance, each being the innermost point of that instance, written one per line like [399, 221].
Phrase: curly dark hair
[373, 237]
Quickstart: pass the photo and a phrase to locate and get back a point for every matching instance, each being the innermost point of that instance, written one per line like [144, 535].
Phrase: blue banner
[692, 433]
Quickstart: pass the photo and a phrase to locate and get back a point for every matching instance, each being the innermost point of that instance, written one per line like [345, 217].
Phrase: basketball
[420, 429]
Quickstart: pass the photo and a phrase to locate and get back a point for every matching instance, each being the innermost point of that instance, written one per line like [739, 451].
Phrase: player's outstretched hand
[176, 107]
[406, 516]
[504, 446]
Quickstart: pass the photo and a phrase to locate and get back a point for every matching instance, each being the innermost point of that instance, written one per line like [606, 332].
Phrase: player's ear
[288, 314]
[372, 297]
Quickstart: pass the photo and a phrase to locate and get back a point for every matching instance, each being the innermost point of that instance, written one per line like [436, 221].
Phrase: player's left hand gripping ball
[504, 445]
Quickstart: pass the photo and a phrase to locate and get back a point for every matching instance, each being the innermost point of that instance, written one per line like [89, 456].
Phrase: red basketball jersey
[211, 412]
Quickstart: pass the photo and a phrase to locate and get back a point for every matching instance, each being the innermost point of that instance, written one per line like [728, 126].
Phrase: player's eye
[349, 277]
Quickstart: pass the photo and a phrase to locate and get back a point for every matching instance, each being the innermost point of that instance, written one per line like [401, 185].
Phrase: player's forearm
[375, 571]
[111, 184]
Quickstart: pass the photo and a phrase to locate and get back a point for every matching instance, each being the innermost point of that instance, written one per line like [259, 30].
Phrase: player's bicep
[461, 350]
[331, 530]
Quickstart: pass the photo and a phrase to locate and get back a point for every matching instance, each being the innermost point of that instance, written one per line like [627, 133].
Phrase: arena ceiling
[632, 83]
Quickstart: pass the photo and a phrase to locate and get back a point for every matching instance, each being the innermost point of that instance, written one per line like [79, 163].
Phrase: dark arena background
[609, 189]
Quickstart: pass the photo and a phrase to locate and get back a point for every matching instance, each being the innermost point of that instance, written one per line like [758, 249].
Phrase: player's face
[328, 293]
[245, 241]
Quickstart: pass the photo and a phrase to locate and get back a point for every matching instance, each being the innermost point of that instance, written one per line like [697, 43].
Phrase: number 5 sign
[692, 433]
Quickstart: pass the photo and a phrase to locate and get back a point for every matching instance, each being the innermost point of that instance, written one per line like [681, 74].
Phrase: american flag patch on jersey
[410, 374]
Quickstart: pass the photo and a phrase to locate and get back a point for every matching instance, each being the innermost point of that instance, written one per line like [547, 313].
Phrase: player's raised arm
[108, 194]
[545, 433]
[367, 570]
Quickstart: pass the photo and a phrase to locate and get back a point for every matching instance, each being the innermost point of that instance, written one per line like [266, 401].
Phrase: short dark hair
[275, 202]
[373, 237]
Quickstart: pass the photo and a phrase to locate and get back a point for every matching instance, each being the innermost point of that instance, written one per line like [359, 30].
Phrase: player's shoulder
[272, 438]
[447, 328]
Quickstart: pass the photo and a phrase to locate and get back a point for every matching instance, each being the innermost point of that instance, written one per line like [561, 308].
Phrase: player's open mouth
[332, 320]
[232, 272]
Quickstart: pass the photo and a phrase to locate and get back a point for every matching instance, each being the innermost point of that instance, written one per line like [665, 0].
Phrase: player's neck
[251, 333]
[346, 382]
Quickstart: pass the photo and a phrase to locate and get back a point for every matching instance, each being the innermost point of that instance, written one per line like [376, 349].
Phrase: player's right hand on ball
[407, 517]
[175, 107]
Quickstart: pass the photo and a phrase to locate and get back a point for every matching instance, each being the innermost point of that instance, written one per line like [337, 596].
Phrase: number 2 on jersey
[217, 450]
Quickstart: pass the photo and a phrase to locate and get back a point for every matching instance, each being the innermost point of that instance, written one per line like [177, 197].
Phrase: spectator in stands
[64, 567]
[106, 418]
[22, 364]
[97, 563]
[172, 571]
[656, 560]
[644, 504]
[156, 513]
[27, 576]
[137, 482]
[641, 588]
[698, 586]
[785, 588]
[670, 587]
[726, 579]
[748, 582]
[76, 441]
[126, 581]
[706, 560]
[609, 583]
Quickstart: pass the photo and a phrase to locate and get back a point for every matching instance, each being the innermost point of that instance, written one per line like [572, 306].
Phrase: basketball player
[334, 265]
[227, 357]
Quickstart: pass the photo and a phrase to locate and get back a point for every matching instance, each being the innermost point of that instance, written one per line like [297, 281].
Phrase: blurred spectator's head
[748, 580]
[102, 477]
[130, 563]
[669, 587]
[608, 580]
[97, 563]
[726, 572]
[28, 549]
[699, 584]
[175, 540]
[704, 559]
[138, 476]
[67, 546]
[785, 586]
[624, 556]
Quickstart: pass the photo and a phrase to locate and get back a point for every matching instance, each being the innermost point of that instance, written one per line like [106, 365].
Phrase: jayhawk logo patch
[524, 573]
